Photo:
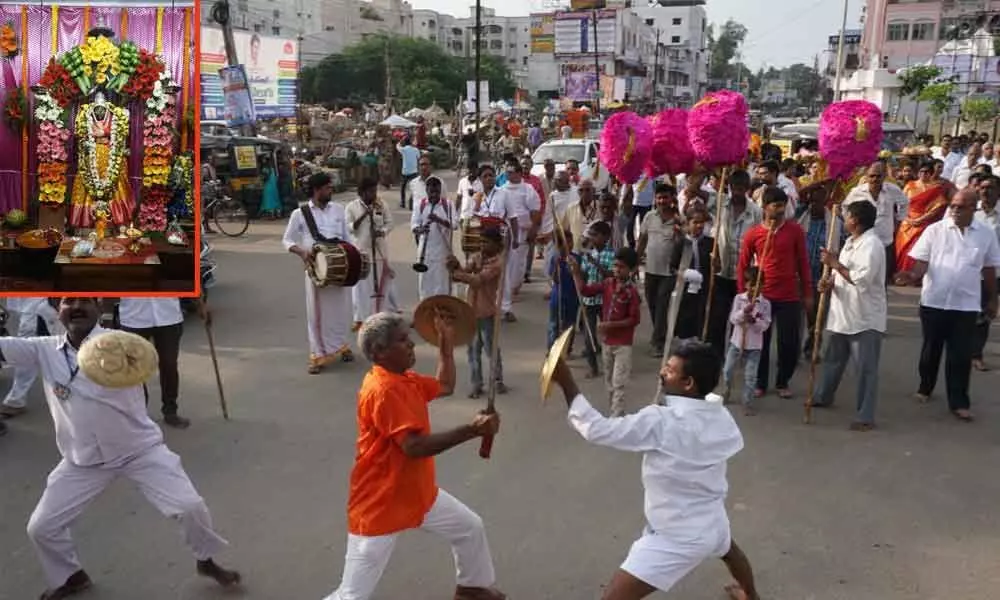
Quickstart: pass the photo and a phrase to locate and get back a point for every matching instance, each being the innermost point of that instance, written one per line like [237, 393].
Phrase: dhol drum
[339, 264]
[472, 241]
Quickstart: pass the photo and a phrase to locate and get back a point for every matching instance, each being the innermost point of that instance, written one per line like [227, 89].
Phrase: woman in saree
[929, 196]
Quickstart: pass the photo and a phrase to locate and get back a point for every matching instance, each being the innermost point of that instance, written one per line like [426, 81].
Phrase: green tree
[979, 110]
[806, 81]
[411, 71]
[940, 96]
[915, 79]
[722, 47]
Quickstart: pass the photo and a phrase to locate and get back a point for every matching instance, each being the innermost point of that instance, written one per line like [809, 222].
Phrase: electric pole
[478, 37]
[220, 14]
[597, 69]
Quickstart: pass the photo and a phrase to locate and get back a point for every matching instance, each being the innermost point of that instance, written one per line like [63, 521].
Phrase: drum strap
[311, 223]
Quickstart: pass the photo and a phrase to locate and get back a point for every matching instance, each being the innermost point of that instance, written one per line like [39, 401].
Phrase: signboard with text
[271, 66]
[543, 38]
[574, 32]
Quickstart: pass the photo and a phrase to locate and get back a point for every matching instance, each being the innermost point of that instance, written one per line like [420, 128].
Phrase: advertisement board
[543, 37]
[574, 32]
[238, 109]
[271, 66]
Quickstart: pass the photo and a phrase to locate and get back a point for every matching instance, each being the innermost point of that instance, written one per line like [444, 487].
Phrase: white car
[584, 151]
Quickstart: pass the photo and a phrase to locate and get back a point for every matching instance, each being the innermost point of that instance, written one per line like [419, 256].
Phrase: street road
[905, 512]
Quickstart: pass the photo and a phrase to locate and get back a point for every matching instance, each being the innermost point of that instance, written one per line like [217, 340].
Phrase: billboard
[271, 66]
[579, 82]
[574, 32]
[543, 37]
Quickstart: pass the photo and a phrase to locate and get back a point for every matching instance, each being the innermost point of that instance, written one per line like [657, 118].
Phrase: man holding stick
[370, 222]
[857, 318]
[393, 488]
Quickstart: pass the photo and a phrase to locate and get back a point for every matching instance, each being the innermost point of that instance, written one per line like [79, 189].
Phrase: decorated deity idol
[102, 174]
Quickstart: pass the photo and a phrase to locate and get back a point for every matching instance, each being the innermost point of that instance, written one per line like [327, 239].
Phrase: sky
[781, 32]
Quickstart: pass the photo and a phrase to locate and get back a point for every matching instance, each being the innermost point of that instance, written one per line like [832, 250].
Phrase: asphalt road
[906, 512]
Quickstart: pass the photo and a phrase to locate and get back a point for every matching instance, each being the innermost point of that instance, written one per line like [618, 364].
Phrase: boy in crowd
[750, 318]
[619, 318]
[563, 302]
[597, 264]
[691, 313]
[483, 278]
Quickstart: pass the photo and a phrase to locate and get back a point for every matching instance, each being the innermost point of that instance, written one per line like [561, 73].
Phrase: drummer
[102, 433]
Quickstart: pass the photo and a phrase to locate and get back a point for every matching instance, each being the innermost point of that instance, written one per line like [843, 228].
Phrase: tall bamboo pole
[715, 251]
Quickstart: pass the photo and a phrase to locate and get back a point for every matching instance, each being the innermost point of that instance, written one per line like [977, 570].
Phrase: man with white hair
[891, 206]
[392, 486]
[988, 157]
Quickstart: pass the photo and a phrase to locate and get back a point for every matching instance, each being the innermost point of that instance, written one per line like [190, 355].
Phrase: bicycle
[224, 209]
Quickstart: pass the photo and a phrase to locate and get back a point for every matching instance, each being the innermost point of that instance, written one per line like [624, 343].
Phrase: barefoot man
[392, 485]
[685, 444]
[102, 434]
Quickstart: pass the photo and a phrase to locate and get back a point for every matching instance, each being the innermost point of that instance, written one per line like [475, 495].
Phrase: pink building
[898, 33]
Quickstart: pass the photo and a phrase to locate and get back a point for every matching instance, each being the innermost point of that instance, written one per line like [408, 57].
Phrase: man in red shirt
[787, 286]
[392, 484]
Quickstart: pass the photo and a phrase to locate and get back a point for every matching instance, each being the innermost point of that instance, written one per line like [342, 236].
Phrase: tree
[979, 110]
[940, 95]
[722, 48]
[806, 81]
[417, 71]
[915, 79]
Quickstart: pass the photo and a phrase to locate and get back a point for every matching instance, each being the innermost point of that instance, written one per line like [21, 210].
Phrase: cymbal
[558, 350]
[118, 359]
[462, 314]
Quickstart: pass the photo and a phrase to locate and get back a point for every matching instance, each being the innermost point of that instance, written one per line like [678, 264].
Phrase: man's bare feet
[979, 365]
[224, 577]
[962, 415]
[922, 398]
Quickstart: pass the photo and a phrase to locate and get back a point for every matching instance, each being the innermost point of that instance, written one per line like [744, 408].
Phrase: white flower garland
[99, 187]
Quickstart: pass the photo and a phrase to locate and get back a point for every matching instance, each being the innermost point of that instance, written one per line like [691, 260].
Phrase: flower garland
[100, 59]
[101, 210]
[8, 41]
[53, 137]
[147, 73]
[59, 84]
[152, 212]
[101, 187]
[14, 108]
[159, 130]
[182, 181]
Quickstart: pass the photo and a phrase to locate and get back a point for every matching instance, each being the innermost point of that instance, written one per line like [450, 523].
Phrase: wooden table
[130, 272]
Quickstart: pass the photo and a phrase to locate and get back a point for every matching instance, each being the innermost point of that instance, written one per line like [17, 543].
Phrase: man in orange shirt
[392, 485]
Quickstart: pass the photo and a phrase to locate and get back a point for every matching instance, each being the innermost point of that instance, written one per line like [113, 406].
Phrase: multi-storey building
[683, 29]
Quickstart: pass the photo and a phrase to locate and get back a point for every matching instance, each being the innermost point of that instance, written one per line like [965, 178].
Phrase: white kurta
[102, 434]
[438, 241]
[685, 445]
[363, 294]
[521, 200]
[27, 311]
[328, 310]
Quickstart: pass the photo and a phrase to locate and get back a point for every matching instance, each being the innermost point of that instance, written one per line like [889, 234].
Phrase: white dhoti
[663, 559]
[363, 294]
[328, 316]
[517, 260]
[160, 477]
[436, 280]
[367, 557]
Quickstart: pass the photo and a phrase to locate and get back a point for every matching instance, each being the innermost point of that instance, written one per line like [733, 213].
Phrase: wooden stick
[215, 364]
[486, 446]
[821, 307]
[715, 252]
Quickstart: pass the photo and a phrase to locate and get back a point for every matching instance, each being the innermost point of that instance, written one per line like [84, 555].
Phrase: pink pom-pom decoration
[671, 153]
[850, 136]
[718, 129]
[626, 144]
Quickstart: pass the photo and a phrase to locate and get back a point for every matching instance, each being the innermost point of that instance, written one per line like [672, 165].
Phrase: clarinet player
[433, 222]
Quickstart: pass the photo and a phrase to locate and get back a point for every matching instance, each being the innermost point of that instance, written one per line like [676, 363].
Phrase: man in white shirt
[685, 442]
[768, 172]
[953, 258]
[856, 322]
[581, 214]
[161, 321]
[523, 205]
[891, 206]
[988, 157]
[433, 221]
[563, 196]
[989, 192]
[960, 175]
[467, 188]
[32, 314]
[950, 155]
[328, 309]
[370, 222]
[102, 434]
[418, 187]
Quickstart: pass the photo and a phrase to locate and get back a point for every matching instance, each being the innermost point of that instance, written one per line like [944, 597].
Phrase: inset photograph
[97, 148]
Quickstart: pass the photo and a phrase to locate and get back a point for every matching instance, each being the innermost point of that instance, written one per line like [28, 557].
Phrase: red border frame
[196, 134]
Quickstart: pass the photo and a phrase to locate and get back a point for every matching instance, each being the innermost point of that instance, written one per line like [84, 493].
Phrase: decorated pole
[720, 136]
[850, 136]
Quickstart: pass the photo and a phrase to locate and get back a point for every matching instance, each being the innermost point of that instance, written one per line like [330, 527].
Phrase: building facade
[683, 30]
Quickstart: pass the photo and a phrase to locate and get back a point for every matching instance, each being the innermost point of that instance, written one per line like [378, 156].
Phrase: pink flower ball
[626, 144]
[718, 129]
[671, 153]
[850, 136]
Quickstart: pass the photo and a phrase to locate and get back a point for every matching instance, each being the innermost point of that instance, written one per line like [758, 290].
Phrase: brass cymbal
[118, 359]
[558, 350]
[462, 315]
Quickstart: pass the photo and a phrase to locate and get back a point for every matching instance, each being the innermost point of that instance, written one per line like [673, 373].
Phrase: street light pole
[597, 71]
[479, 33]
[840, 56]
